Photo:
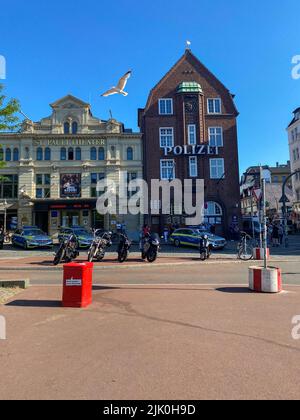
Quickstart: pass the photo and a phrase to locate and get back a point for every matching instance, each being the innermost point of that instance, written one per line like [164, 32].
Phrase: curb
[22, 284]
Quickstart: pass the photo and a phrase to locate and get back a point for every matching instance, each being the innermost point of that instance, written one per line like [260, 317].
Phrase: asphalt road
[235, 273]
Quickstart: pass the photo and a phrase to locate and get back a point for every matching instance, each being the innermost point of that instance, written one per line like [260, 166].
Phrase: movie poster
[70, 185]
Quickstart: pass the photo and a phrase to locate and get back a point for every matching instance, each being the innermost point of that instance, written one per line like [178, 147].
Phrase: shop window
[39, 153]
[129, 153]
[74, 127]
[101, 153]
[78, 153]
[93, 153]
[47, 153]
[16, 154]
[9, 186]
[63, 153]
[8, 155]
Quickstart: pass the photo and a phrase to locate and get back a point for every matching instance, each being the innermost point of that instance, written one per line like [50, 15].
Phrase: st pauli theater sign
[70, 142]
[191, 150]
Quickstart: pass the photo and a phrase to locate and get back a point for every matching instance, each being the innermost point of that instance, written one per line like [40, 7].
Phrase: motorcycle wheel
[91, 253]
[58, 257]
[203, 256]
[122, 256]
[100, 256]
[151, 256]
[143, 256]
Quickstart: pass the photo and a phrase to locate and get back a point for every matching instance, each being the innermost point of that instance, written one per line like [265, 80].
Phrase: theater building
[190, 131]
[52, 168]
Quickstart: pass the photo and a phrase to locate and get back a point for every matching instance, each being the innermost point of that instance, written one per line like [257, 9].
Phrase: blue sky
[60, 47]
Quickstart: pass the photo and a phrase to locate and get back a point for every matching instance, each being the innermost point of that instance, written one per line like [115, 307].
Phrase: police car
[31, 237]
[191, 237]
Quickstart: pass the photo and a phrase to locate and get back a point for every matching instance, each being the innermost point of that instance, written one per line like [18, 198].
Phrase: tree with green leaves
[9, 121]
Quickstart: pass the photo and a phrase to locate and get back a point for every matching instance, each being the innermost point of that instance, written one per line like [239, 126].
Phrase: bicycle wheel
[245, 253]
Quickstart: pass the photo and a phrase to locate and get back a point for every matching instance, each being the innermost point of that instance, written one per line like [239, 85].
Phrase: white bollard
[265, 280]
[258, 254]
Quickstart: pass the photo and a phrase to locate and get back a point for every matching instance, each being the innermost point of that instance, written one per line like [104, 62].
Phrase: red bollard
[77, 287]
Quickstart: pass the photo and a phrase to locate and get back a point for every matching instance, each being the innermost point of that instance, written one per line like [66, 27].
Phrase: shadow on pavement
[95, 288]
[36, 303]
[234, 290]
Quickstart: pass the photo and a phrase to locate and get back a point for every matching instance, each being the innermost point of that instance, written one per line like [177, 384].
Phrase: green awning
[189, 87]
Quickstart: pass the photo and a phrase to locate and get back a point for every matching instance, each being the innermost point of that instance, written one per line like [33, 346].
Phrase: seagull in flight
[120, 86]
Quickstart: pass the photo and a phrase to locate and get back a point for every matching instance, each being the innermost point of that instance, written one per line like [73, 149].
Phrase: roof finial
[188, 45]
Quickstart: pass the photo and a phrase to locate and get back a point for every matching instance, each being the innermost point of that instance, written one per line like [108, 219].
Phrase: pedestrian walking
[275, 236]
[281, 233]
[166, 234]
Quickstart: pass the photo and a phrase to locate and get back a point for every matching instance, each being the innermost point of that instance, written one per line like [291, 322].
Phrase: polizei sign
[188, 150]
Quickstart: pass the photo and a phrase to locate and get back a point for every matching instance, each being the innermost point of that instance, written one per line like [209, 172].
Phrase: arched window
[101, 153]
[74, 127]
[39, 153]
[16, 154]
[213, 213]
[8, 155]
[1, 154]
[63, 153]
[70, 153]
[93, 153]
[66, 128]
[213, 209]
[47, 153]
[78, 153]
[129, 153]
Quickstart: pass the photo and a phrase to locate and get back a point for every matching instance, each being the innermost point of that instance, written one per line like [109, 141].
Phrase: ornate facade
[52, 168]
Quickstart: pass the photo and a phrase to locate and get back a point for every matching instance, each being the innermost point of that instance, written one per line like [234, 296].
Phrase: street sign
[257, 194]
[284, 199]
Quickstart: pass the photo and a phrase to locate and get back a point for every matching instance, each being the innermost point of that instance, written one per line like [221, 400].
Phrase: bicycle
[245, 249]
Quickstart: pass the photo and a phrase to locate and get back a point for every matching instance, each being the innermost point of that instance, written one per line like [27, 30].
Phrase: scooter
[98, 246]
[204, 248]
[67, 250]
[123, 248]
[150, 248]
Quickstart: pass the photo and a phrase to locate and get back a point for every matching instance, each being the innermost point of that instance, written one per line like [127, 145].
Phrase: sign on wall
[70, 185]
[191, 150]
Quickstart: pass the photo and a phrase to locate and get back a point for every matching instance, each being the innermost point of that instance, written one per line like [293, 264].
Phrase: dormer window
[66, 128]
[214, 106]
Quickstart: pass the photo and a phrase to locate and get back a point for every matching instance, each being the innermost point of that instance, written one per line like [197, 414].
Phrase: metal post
[265, 222]
[252, 216]
[5, 217]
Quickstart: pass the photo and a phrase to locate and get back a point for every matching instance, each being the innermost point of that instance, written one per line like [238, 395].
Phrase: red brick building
[190, 108]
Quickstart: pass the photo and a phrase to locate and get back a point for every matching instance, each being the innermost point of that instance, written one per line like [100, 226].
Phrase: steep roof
[188, 56]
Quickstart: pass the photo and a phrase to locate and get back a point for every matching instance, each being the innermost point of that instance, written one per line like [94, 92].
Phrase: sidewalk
[183, 342]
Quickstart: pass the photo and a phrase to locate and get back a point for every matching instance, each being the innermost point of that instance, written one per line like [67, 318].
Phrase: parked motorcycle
[123, 248]
[150, 248]
[99, 245]
[67, 250]
[205, 248]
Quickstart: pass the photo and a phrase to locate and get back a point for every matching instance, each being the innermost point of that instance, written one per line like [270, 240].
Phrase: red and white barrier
[265, 280]
[258, 254]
